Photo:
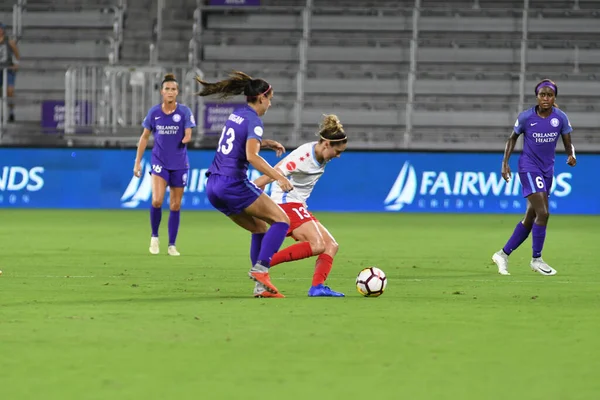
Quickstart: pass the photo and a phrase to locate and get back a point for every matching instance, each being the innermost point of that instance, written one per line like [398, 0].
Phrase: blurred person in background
[9, 59]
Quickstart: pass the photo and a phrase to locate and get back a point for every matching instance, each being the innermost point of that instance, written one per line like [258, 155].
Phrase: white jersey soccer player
[303, 167]
[303, 170]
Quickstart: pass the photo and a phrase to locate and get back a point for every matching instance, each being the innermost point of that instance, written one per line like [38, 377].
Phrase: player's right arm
[148, 125]
[509, 147]
[141, 147]
[263, 180]
[252, 150]
[288, 165]
[508, 150]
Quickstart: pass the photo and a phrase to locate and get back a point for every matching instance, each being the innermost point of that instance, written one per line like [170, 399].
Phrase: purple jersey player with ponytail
[228, 188]
[540, 127]
[171, 124]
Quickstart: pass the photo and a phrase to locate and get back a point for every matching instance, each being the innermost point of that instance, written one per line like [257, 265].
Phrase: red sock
[294, 252]
[322, 269]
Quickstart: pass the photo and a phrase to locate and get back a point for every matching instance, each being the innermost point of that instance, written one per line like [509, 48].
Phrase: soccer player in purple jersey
[540, 127]
[228, 188]
[171, 124]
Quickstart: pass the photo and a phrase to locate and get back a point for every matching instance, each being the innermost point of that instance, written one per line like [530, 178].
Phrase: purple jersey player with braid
[540, 127]
[171, 124]
[228, 188]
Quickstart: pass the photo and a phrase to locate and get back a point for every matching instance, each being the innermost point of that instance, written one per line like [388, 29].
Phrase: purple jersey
[230, 158]
[540, 136]
[168, 131]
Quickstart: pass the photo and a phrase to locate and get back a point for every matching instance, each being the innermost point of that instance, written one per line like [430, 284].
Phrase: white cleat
[538, 265]
[154, 248]
[172, 250]
[501, 260]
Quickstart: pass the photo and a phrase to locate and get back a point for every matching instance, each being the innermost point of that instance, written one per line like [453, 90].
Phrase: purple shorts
[533, 182]
[231, 195]
[174, 177]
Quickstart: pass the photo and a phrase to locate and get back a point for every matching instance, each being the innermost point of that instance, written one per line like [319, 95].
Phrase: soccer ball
[371, 282]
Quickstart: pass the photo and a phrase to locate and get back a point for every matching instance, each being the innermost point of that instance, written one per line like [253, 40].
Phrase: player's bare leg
[174, 217]
[159, 188]
[10, 93]
[310, 243]
[521, 232]
[539, 202]
[268, 211]
[323, 266]
[258, 228]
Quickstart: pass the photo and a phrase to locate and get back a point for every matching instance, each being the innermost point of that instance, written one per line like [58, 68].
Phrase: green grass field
[87, 313]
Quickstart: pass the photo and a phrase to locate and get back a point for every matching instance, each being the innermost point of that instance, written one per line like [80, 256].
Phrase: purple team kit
[540, 136]
[169, 155]
[228, 188]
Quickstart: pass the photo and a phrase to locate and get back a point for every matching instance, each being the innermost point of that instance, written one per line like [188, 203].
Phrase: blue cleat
[323, 291]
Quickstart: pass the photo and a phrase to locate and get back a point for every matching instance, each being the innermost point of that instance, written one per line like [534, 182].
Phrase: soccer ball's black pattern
[371, 282]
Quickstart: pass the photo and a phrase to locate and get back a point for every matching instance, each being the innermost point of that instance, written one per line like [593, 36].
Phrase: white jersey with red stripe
[303, 170]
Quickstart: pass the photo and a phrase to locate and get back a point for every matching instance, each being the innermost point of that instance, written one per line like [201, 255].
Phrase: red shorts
[297, 214]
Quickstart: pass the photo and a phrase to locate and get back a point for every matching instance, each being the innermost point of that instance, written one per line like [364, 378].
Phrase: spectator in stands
[9, 59]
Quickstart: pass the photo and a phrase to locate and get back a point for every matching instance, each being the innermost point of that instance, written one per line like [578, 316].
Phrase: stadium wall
[359, 181]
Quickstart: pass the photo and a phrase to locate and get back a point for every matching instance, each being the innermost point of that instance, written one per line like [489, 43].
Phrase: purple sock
[519, 235]
[155, 216]
[272, 242]
[255, 245]
[173, 227]
[539, 235]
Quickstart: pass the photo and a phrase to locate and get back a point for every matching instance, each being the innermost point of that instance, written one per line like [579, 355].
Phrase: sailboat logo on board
[139, 189]
[404, 190]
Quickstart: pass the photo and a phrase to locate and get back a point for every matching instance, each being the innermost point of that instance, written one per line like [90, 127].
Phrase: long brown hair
[237, 83]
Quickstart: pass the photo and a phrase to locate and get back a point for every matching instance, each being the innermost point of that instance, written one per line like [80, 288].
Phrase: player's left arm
[570, 149]
[189, 124]
[273, 145]
[187, 137]
[566, 138]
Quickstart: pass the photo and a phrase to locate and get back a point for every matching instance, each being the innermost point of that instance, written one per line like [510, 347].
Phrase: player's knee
[331, 248]
[317, 246]
[156, 203]
[260, 226]
[175, 205]
[542, 215]
[282, 217]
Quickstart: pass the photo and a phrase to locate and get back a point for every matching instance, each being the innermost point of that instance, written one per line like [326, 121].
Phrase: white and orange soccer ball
[371, 282]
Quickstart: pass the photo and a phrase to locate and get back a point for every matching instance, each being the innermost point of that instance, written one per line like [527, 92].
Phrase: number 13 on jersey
[226, 141]
[302, 212]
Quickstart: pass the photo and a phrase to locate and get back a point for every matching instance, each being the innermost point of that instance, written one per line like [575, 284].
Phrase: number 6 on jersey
[539, 182]
[228, 146]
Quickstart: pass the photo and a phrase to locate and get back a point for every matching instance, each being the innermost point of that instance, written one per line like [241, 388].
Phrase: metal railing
[154, 45]
[17, 19]
[111, 99]
[307, 13]
[117, 39]
[107, 99]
